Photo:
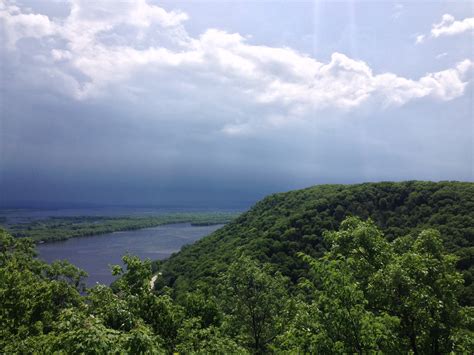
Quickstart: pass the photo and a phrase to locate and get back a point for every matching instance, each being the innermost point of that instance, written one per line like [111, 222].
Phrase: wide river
[94, 254]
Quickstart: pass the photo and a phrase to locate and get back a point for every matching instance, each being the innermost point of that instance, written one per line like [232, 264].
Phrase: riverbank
[61, 228]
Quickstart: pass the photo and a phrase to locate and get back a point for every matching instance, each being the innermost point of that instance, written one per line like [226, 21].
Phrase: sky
[219, 103]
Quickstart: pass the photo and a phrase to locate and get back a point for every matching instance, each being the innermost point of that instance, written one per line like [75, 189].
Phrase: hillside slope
[281, 225]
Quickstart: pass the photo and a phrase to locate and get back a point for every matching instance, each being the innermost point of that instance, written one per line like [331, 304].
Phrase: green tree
[32, 293]
[371, 295]
[192, 338]
[256, 303]
[160, 312]
[421, 286]
[340, 316]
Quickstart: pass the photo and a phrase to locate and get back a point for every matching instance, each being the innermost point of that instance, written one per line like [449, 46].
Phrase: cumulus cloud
[24, 25]
[102, 48]
[449, 26]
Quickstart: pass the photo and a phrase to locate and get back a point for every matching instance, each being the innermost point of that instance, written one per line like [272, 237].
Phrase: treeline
[283, 225]
[61, 228]
[365, 295]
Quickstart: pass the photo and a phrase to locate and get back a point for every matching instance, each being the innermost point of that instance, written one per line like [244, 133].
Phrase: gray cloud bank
[119, 104]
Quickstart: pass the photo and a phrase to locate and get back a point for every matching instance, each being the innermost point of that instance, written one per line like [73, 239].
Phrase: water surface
[94, 254]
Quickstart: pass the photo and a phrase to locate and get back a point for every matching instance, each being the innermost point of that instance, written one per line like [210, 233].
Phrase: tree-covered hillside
[295, 274]
[365, 295]
[280, 226]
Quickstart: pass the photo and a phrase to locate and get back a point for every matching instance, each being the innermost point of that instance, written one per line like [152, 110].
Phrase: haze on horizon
[221, 103]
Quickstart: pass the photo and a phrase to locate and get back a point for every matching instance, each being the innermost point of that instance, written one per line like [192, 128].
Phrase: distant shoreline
[55, 229]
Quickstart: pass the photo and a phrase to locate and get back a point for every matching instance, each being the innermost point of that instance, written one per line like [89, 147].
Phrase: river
[94, 254]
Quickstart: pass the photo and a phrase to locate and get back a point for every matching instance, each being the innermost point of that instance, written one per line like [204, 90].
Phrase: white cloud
[103, 48]
[448, 26]
[447, 84]
[24, 25]
[419, 39]
[59, 54]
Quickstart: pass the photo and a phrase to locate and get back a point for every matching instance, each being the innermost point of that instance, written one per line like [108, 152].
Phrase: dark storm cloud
[111, 117]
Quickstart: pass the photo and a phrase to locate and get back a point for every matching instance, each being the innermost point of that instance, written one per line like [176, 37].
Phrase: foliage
[262, 287]
[255, 303]
[369, 297]
[32, 294]
[282, 225]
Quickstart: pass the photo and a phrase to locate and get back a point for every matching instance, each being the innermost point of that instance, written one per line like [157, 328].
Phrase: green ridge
[282, 225]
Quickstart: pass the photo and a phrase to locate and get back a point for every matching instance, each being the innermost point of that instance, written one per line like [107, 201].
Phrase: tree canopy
[365, 294]
[282, 225]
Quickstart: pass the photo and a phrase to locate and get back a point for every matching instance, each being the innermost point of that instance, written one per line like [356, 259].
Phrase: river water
[94, 254]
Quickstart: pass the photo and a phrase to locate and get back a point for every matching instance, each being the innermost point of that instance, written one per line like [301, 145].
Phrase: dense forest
[280, 226]
[383, 267]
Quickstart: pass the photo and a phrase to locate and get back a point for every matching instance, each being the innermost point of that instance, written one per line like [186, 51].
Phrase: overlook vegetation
[294, 274]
